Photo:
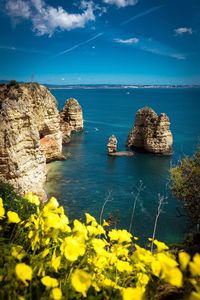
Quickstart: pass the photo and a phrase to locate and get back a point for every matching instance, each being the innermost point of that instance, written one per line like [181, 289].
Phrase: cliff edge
[30, 135]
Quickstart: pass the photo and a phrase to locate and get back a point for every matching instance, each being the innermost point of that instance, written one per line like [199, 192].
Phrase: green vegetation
[186, 186]
[14, 202]
[46, 257]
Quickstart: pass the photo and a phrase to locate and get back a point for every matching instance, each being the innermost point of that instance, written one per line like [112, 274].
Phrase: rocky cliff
[30, 135]
[71, 119]
[151, 132]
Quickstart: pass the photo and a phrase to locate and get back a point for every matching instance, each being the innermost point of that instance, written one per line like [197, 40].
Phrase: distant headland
[114, 86]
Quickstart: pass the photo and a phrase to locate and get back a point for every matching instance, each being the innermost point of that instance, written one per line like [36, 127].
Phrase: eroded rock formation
[30, 135]
[112, 144]
[151, 132]
[71, 119]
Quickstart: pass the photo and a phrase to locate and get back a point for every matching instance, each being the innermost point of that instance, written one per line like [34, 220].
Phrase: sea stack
[30, 135]
[71, 119]
[112, 145]
[151, 132]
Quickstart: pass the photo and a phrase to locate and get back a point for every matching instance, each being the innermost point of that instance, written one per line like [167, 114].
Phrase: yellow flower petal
[56, 293]
[195, 265]
[184, 259]
[13, 217]
[23, 272]
[133, 293]
[18, 252]
[49, 281]
[81, 281]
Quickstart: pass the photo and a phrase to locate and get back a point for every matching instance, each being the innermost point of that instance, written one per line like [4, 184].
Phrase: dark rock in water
[71, 119]
[151, 132]
[112, 145]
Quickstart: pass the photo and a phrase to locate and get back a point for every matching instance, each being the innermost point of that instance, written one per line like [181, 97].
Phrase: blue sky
[104, 41]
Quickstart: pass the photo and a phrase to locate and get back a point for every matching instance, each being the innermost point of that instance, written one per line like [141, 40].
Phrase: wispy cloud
[121, 3]
[146, 12]
[152, 46]
[130, 41]
[18, 49]
[183, 30]
[47, 19]
[78, 45]
[164, 51]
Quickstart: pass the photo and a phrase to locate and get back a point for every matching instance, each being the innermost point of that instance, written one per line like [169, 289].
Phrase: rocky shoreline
[31, 134]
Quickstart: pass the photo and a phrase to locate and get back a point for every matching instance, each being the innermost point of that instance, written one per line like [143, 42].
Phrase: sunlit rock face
[112, 144]
[71, 119]
[151, 132]
[30, 135]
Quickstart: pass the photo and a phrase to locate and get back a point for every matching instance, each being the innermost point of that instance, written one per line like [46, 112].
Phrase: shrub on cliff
[14, 202]
[46, 258]
[186, 185]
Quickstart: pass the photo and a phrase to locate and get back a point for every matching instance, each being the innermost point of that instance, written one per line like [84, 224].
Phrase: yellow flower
[184, 259]
[99, 246]
[143, 279]
[13, 217]
[90, 219]
[95, 230]
[195, 265]
[52, 220]
[23, 272]
[123, 266]
[120, 236]
[18, 252]
[156, 267]
[169, 269]
[173, 276]
[2, 210]
[160, 245]
[52, 204]
[195, 296]
[56, 293]
[32, 199]
[81, 281]
[72, 248]
[55, 262]
[105, 223]
[133, 293]
[49, 281]
[166, 261]
[80, 230]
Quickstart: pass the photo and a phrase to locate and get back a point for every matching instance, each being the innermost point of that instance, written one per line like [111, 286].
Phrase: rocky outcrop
[71, 119]
[112, 144]
[112, 148]
[151, 132]
[30, 135]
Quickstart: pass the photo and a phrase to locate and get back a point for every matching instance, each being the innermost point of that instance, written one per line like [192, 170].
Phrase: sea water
[83, 182]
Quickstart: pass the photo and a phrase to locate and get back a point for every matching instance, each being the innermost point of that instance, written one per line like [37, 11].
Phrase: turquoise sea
[82, 182]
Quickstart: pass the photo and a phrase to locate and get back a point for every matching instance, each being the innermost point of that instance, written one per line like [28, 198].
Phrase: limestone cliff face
[30, 135]
[151, 132]
[71, 119]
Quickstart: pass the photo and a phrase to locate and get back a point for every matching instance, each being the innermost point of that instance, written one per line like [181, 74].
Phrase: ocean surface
[83, 182]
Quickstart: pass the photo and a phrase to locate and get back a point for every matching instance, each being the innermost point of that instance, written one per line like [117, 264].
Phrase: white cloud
[121, 3]
[130, 41]
[183, 30]
[47, 19]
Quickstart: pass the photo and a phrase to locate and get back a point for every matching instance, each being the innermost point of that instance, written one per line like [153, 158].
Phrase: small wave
[107, 124]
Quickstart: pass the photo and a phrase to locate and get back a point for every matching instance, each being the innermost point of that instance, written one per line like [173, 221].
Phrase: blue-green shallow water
[82, 182]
